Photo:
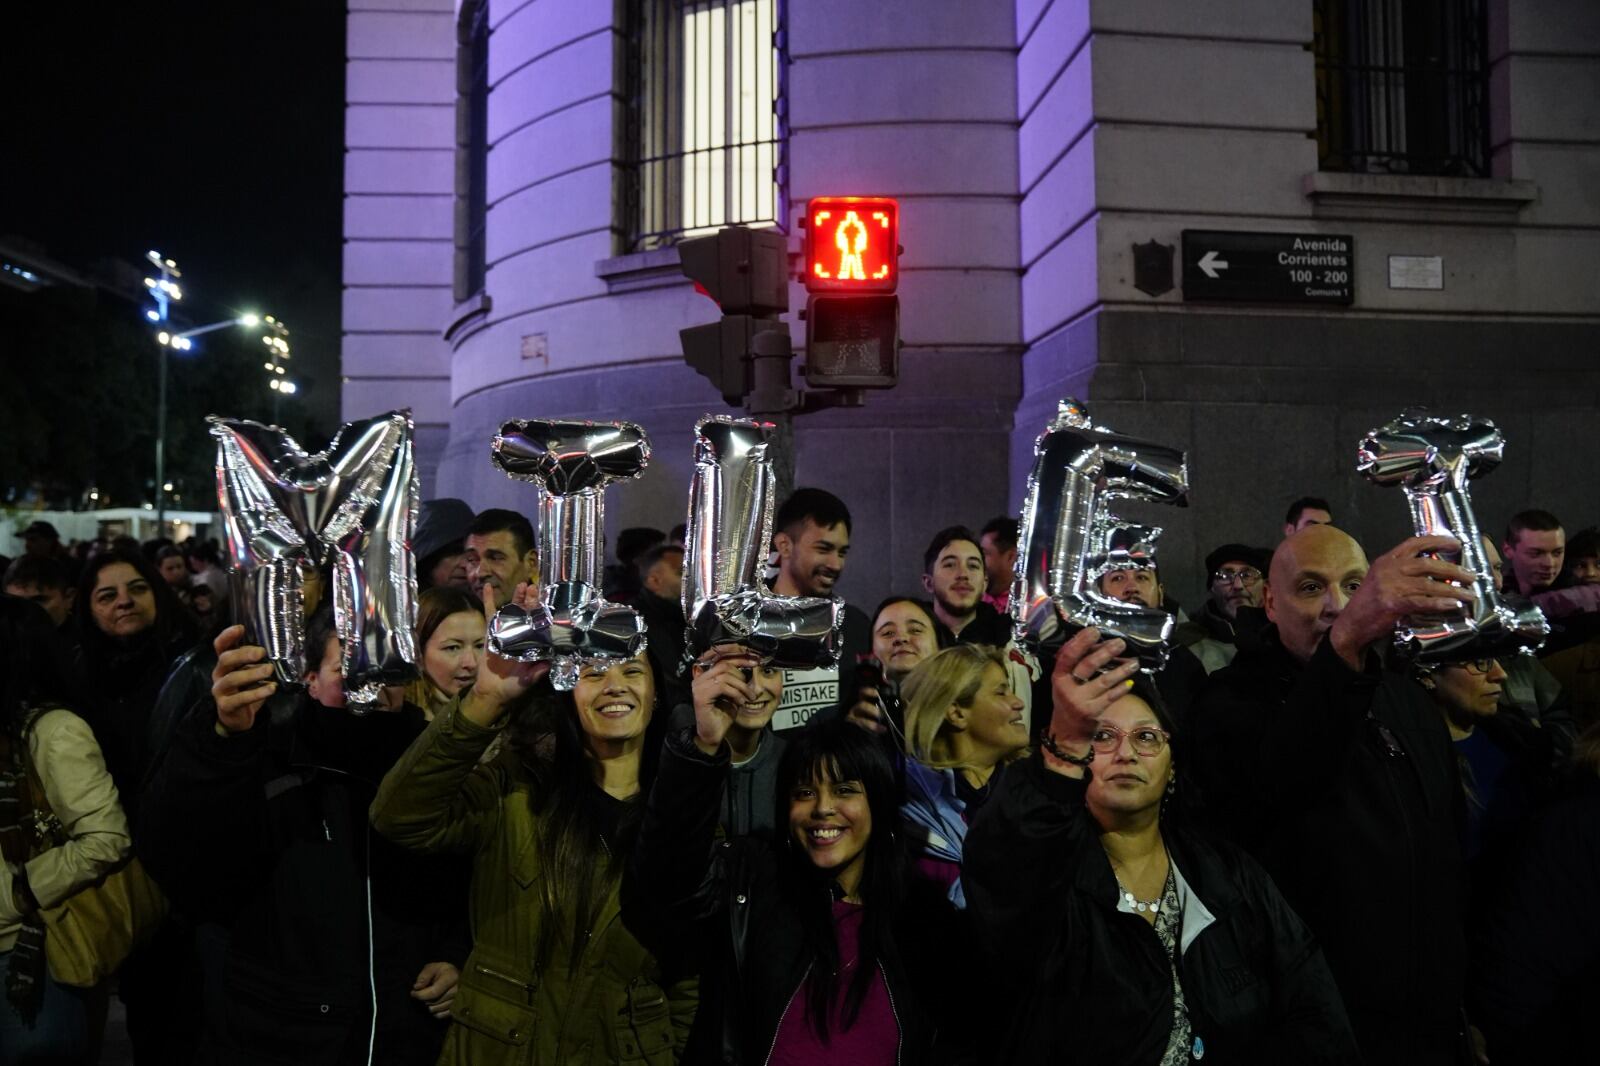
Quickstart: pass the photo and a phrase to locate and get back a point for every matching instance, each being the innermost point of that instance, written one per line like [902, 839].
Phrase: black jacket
[1536, 971]
[1344, 785]
[720, 904]
[262, 839]
[1092, 984]
[989, 626]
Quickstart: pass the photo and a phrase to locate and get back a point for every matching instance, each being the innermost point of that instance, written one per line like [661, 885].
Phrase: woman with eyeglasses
[1127, 938]
[1504, 761]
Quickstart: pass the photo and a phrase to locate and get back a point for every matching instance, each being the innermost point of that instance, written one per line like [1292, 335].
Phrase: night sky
[212, 132]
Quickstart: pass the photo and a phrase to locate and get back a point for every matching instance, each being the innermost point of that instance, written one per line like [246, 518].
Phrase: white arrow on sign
[1211, 264]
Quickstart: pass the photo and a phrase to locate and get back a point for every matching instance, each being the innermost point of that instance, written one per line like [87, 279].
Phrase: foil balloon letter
[351, 507]
[1070, 538]
[1433, 459]
[729, 529]
[571, 463]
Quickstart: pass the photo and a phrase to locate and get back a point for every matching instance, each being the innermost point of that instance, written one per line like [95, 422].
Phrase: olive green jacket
[615, 1008]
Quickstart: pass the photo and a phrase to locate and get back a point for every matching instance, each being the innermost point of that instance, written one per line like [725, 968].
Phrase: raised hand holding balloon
[571, 463]
[729, 530]
[1433, 459]
[1070, 538]
[352, 505]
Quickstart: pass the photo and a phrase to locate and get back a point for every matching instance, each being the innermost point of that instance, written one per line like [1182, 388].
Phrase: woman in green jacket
[553, 977]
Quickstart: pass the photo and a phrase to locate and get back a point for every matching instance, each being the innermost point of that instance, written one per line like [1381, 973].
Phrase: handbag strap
[36, 816]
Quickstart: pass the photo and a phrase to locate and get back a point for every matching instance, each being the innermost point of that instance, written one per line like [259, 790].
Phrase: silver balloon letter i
[571, 463]
[1433, 459]
[1070, 538]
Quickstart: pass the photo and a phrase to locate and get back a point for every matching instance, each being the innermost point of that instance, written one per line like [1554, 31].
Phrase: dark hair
[33, 667]
[1303, 504]
[1584, 544]
[166, 552]
[578, 865]
[635, 540]
[40, 570]
[819, 505]
[320, 628]
[171, 618]
[922, 605]
[1004, 530]
[647, 559]
[1536, 520]
[206, 551]
[942, 539]
[841, 751]
[501, 520]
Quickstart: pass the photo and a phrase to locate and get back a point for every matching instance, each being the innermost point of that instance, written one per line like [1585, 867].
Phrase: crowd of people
[1286, 845]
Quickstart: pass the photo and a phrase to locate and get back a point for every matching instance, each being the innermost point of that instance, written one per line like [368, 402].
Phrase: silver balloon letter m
[353, 505]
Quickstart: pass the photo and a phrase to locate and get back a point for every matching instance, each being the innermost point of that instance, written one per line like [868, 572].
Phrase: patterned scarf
[24, 979]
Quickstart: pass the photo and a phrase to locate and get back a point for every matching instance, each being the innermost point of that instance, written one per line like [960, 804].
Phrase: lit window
[705, 126]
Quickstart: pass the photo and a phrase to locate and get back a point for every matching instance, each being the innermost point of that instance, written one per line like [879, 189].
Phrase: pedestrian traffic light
[746, 272]
[852, 267]
[852, 244]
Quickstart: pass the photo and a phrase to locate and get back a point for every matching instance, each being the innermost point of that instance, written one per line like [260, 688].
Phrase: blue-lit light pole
[164, 290]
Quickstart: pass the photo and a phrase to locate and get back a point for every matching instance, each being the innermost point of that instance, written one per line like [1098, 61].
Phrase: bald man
[1340, 777]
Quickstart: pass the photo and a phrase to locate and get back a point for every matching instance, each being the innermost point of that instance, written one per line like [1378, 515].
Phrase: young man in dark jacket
[1340, 777]
[323, 942]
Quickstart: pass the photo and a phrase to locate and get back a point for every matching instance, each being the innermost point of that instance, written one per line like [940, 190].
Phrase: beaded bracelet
[1050, 745]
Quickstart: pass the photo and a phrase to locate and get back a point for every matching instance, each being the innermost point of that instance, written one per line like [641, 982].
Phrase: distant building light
[24, 274]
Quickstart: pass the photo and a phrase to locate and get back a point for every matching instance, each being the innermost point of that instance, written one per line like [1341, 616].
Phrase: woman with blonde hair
[963, 724]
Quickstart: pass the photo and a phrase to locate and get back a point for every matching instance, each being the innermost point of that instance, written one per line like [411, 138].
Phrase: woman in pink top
[817, 947]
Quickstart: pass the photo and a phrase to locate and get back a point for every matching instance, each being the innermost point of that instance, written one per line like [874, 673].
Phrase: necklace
[1143, 906]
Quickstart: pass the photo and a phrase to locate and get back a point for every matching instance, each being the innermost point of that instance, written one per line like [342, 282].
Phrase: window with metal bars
[705, 131]
[1402, 86]
[472, 148]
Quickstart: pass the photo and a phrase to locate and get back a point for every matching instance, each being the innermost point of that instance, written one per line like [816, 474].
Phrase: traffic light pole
[773, 399]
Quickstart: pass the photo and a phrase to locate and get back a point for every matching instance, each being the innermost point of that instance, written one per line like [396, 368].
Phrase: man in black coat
[1339, 775]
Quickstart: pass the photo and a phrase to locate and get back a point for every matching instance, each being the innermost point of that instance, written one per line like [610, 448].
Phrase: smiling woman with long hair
[818, 943]
[548, 825]
[1121, 936]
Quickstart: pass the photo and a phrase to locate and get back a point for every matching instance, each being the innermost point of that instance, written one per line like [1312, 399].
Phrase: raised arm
[1030, 838]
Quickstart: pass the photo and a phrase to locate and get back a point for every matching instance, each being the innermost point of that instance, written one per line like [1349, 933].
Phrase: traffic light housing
[746, 272]
[851, 269]
[853, 342]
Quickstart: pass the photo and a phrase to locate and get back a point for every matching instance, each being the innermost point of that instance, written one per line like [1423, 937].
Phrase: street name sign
[1239, 267]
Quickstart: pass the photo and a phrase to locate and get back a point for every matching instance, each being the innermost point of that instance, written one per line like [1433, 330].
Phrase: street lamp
[164, 289]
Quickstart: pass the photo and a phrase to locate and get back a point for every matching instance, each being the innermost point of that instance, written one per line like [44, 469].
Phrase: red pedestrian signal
[852, 244]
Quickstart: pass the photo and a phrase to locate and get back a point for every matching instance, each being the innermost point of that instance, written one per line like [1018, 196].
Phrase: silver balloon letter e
[1070, 538]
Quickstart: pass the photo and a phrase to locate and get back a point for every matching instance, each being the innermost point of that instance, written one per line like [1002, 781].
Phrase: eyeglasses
[1146, 740]
[1246, 577]
[1477, 667]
